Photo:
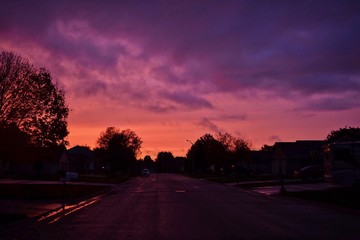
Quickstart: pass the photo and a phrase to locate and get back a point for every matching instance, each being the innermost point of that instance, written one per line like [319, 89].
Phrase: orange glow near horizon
[172, 137]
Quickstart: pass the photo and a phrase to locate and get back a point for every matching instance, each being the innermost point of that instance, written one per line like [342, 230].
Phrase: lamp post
[192, 159]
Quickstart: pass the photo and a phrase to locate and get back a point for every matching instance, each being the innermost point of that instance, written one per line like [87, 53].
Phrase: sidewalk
[272, 190]
[29, 208]
[34, 207]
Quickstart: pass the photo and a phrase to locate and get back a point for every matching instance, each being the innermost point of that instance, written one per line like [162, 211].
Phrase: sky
[174, 70]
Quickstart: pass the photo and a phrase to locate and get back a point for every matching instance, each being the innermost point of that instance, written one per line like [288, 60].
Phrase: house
[80, 159]
[43, 162]
[286, 157]
[258, 162]
[64, 162]
[342, 163]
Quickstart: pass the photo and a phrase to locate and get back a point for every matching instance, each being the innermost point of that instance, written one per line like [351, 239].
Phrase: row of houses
[339, 162]
[286, 157]
[77, 159]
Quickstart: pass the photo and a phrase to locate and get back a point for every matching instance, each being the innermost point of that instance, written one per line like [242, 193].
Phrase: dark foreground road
[165, 206]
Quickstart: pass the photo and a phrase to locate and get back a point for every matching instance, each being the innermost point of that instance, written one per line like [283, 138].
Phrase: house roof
[297, 150]
[80, 150]
[77, 151]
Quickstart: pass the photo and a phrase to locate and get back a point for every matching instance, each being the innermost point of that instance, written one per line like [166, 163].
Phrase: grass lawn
[48, 191]
[43, 193]
[345, 197]
[348, 197]
[10, 217]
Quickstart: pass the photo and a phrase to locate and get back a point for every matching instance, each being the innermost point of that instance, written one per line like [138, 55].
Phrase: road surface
[168, 206]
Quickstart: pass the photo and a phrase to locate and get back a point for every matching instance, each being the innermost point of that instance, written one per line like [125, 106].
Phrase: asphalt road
[166, 206]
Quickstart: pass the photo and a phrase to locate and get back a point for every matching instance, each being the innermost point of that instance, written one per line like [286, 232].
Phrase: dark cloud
[284, 47]
[90, 88]
[340, 103]
[188, 100]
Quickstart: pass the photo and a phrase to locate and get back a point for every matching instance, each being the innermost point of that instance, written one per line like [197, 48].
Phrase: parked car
[145, 172]
[309, 173]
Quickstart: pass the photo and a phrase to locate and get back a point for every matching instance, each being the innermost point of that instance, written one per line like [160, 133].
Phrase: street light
[192, 159]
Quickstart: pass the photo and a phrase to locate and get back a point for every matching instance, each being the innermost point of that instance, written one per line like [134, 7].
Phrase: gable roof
[299, 149]
[80, 150]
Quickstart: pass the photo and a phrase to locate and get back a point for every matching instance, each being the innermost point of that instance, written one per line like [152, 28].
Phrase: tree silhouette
[267, 148]
[237, 150]
[147, 163]
[118, 148]
[205, 152]
[14, 144]
[222, 153]
[346, 134]
[30, 100]
[164, 161]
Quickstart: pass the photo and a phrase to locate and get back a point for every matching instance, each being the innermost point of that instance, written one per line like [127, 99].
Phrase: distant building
[45, 162]
[80, 159]
[342, 163]
[64, 163]
[258, 162]
[286, 157]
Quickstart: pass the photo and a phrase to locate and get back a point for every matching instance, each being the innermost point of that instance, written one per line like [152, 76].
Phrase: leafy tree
[242, 149]
[119, 148]
[148, 158]
[266, 148]
[205, 152]
[30, 100]
[346, 134]
[148, 162]
[164, 161]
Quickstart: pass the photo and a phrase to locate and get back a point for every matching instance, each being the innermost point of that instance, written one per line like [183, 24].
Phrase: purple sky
[174, 70]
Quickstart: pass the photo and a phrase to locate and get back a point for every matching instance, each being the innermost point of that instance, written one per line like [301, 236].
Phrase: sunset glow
[175, 70]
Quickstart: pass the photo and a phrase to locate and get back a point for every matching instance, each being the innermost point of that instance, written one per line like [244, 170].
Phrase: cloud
[161, 108]
[274, 138]
[209, 125]
[188, 99]
[336, 103]
[243, 64]
[290, 49]
[233, 117]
